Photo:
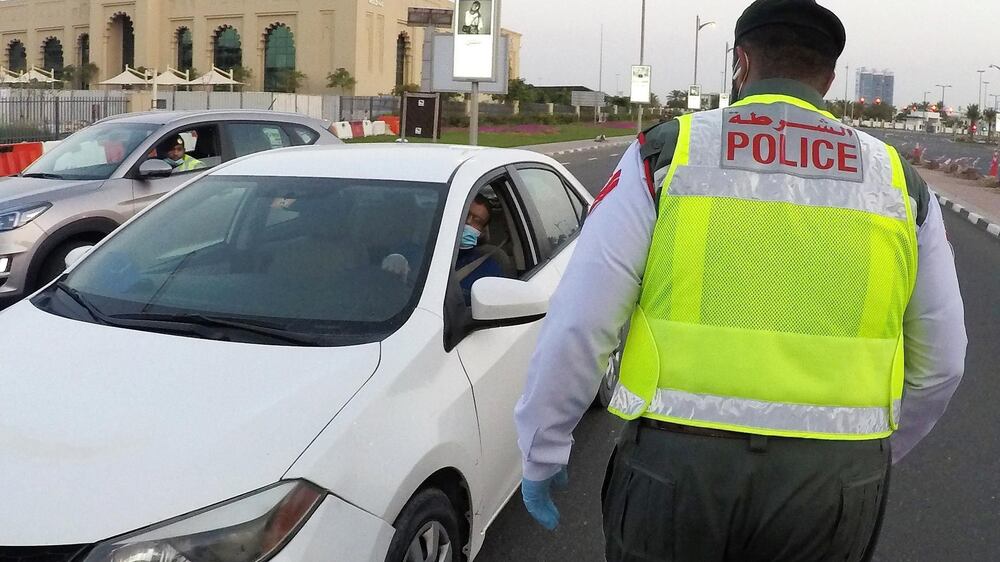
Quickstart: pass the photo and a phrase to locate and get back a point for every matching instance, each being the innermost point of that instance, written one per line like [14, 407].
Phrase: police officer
[173, 152]
[796, 322]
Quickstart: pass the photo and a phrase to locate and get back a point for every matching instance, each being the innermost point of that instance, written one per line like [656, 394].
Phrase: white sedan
[295, 357]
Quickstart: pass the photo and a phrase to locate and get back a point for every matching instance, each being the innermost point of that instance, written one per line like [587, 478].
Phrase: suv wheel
[55, 262]
[427, 530]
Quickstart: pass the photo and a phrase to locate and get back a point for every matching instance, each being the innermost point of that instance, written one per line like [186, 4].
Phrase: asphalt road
[944, 502]
[938, 146]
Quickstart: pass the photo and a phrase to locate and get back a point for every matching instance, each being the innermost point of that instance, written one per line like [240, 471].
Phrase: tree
[241, 74]
[973, 114]
[341, 79]
[79, 77]
[518, 90]
[654, 100]
[677, 99]
[403, 88]
[991, 118]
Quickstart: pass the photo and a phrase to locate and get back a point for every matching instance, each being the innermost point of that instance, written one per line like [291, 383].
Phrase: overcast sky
[562, 43]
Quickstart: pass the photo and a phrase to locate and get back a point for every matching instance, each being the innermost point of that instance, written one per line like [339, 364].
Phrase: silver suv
[96, 179]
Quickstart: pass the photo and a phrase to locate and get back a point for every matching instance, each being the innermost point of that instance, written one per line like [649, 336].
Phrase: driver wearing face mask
[469, 254]
[173, 152]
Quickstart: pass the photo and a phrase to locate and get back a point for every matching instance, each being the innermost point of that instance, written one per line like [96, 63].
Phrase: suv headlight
[251, 528]
[9, 220]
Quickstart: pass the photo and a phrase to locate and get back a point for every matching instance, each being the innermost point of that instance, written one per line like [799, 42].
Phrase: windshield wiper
[42, 175]
[170, 321]
[81, 300]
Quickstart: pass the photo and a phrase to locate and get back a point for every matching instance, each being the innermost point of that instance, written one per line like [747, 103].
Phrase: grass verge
[507, 137]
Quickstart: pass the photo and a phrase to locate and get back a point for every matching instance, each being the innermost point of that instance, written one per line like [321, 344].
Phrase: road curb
[991, 228]
[597, 146]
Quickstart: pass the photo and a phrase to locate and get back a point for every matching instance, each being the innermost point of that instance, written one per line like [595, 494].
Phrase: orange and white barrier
[16, 157]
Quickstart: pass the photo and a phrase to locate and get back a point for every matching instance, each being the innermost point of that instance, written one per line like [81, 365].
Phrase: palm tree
[973, 114]
[991, 118]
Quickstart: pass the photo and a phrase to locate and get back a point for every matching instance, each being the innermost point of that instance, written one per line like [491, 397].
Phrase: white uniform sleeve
[595, 298]
[934, 336]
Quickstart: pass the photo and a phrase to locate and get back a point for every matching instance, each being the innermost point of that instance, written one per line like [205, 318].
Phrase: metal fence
[34, 115]
[357, 108]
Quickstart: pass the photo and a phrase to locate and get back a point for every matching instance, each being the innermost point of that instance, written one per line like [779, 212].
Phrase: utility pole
[642, 51]
[698, 26]
[725, 68]
[600, 72]
[847, 83]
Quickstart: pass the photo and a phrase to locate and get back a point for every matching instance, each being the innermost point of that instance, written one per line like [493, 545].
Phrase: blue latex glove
[538, 498]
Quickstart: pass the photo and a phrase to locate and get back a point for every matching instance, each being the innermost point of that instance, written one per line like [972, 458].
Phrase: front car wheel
[427, 530]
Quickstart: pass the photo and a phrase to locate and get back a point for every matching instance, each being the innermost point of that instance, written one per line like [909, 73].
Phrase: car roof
[394, 162]
[171, 117]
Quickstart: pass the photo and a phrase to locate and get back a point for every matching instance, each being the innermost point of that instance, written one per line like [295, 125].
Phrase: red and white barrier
[359, 129]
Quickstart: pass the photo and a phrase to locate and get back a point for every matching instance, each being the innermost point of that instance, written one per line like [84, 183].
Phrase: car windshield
[341, 258]
[93, 153]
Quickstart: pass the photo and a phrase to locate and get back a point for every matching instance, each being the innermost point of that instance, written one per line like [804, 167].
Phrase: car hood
[15, 191]
[105, 430]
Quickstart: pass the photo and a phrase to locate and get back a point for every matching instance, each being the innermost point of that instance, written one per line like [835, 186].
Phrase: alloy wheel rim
[430, 544]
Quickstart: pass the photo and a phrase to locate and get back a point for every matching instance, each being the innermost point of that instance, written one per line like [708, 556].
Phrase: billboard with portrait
[476, 29]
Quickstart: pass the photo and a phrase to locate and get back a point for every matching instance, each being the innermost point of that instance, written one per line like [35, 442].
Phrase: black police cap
[802, 13]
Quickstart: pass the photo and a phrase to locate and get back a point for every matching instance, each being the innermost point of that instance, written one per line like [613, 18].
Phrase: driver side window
[190, 149]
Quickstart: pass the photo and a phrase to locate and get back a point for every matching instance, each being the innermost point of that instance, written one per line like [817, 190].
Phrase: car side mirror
[155, 168]
[76, 254]
[507, 301]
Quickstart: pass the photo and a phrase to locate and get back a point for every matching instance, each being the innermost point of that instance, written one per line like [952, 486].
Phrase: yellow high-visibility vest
[783, 257]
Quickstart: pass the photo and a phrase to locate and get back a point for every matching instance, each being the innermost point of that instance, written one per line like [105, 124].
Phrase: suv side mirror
[155, 168]
[76, 254]
[507, 301]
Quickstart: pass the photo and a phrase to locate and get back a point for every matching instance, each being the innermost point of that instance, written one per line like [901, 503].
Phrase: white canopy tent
[173, 77]
[217, 77]
[130, 77]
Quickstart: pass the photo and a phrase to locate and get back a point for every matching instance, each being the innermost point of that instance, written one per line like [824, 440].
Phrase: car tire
[55, 262]
[427, 530]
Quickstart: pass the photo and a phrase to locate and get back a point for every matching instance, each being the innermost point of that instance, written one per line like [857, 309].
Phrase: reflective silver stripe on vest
[833, 420]
[884, 200]
[626, 402]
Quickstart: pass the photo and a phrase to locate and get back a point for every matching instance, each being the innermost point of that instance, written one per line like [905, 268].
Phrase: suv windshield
[339, 258]
[93, 153]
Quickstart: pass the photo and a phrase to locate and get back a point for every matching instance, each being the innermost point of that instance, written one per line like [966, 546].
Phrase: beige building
[270, 40]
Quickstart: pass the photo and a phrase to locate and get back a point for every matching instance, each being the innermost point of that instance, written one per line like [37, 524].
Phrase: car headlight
[9, 220]
[251, 528]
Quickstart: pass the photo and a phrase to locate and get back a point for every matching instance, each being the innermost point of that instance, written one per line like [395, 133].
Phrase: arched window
[402, 58]
[52, 55]
[185, 49]
[228, 49]
[279, 59]
[17, 56]
[83, 49]
[121, 44]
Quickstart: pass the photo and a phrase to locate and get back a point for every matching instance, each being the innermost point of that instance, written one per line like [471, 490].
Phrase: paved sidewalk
[560, 148]
[979, 205]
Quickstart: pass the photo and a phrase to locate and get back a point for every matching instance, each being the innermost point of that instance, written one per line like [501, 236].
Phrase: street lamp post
[725, 66]
[986, 95]
[981, 72]
[698, 27]
[942, 86]
[847, 83]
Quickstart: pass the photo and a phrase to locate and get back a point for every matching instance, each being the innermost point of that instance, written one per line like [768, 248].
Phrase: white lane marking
[616, 154]
[591, 159]
[565, 163]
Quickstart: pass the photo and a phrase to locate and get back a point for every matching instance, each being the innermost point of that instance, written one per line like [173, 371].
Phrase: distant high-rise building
[874, 84]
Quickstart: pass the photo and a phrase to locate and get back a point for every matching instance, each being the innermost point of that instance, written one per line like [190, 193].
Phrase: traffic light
[862, 100]
[878, 101]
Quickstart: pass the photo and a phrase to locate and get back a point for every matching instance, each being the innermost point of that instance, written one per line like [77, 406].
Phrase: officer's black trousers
[691, 498]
